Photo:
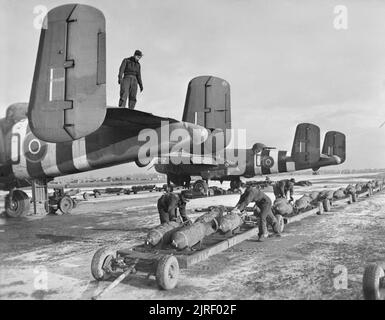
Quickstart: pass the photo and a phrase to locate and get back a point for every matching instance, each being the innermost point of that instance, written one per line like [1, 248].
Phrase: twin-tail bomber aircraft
[69, 128]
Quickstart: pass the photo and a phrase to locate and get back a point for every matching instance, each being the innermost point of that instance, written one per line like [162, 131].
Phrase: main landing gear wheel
[101, 264]
[66, 205]
[373, 283]
[17, 206]
[200, 186]
[167, 272]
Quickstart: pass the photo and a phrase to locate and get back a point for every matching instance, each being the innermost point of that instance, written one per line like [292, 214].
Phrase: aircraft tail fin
[68, 97]
[208, 103]
[335, 145]
[306, 146]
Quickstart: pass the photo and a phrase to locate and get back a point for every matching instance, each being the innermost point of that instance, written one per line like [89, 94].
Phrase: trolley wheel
[86, 196]
[17, 206]
[373, 282]
[326, 205]
[97, 194]
[101, 264]
[280, 225]
[66, 205]
[320, 208]
[167, 272]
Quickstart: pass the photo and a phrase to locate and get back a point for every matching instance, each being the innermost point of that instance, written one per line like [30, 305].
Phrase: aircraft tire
[66, 205]
[18, 206]
[372, 282]
[167, 272]
[199, 185]
[100, 262]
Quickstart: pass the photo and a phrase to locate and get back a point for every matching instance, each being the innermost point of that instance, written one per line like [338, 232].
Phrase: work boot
[263, 236]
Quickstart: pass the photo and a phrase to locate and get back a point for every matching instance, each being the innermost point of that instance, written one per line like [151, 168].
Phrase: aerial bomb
[213, 213]
[325, 194]
[189, 236]
[303, 202]
[350, 189]
[314, 195]
[282, 206]
[205, 225]
[162, 233]
[339, 194]
[230, 222]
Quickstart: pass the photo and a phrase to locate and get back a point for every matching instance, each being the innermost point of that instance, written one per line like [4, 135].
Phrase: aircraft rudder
[68, 96]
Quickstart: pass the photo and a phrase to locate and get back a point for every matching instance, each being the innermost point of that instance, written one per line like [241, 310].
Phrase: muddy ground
[49, 257]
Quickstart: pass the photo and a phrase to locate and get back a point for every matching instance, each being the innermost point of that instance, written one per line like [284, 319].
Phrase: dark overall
[263, 202]
[168, 205]
[129, 78]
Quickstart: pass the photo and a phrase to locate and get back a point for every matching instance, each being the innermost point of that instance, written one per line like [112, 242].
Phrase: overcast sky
[285, 61]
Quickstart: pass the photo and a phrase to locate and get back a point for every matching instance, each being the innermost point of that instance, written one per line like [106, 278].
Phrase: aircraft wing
[188, 158]
[134, 120]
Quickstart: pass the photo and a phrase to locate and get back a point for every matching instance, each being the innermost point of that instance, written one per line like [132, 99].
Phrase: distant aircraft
[69, 127]
[259, 160]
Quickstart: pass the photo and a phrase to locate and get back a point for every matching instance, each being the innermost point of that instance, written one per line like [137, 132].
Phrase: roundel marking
[268, 162]
[34, 149]
[34, 146]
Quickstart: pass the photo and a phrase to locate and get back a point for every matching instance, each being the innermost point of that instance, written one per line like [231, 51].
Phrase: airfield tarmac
[49, 257]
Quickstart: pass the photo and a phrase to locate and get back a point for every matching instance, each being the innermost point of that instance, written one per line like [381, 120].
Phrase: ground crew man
[168, 205]
[262, 209]
[283, 187]
[129, 78]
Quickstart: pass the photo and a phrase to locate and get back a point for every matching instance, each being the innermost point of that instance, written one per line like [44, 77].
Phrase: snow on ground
[49, 257]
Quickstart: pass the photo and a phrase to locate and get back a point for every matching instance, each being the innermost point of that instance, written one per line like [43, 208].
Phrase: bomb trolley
[162, 261]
